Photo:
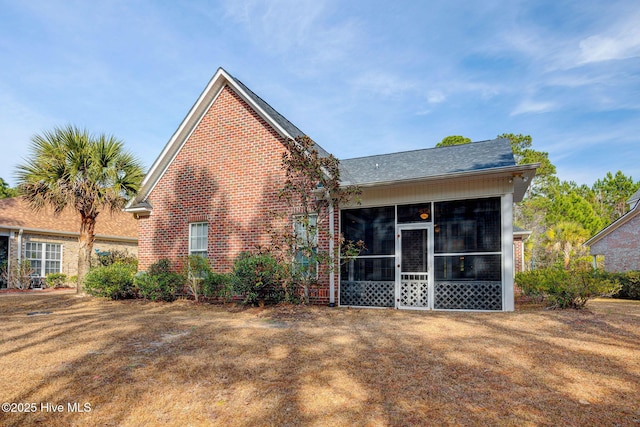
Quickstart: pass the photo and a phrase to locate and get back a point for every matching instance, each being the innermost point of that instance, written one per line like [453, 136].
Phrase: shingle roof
[634, 198]
[430, 162]
[15, 212]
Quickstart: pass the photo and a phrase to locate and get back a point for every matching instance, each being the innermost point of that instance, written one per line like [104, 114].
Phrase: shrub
[159, 283]
[629, 285]
[113, 281]
[18, 275]
[258, 277]
[218, 285]
[56, 280]
[115, 256]
[570, 288]
[196, 270]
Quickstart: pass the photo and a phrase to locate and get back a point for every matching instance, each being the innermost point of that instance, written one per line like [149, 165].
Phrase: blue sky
[359, 77]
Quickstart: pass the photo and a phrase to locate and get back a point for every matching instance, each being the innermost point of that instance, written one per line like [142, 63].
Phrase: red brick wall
[228, 174]
[518, 254]
[621, 247]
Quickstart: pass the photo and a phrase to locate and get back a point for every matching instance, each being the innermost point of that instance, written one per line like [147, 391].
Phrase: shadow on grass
[176, 364]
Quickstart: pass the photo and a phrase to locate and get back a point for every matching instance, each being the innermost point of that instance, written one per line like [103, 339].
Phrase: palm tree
[565, 239]
[71, 168]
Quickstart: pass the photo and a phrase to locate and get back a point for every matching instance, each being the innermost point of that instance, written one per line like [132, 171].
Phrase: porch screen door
[412, 290]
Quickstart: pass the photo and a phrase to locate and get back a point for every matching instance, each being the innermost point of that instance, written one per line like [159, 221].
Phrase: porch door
[414, 289]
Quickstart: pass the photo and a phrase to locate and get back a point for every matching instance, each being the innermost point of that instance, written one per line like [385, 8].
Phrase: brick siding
[620, 248]
[228, 173]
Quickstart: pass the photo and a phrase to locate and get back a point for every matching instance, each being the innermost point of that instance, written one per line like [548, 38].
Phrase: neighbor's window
[198, 241]
[306, 236]
[45, 258]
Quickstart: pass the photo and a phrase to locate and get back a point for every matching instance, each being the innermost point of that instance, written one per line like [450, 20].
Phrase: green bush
[56, 280]
[113, 281]
[258, 278]
[105, 258]
[159, 283]
[196, 270]
[218, 285]
[629, 285]
[570, 288]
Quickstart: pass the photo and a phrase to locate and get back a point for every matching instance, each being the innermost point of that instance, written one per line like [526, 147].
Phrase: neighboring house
[519, 237]
[437, 222]
[50, 241]
[619, 242]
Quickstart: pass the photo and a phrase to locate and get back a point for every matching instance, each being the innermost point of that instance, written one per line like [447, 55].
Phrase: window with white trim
[306, 238]
[45, 258]
[198, 238]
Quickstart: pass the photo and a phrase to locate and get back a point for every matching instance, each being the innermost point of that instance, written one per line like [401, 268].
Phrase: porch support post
[332, 272]
[507, 252]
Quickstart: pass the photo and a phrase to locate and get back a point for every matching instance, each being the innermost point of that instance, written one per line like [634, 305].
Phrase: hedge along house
[437, 223]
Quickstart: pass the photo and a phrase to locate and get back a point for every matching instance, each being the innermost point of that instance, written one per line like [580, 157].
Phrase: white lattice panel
[414, 290]
[468, 295]
[367, 293]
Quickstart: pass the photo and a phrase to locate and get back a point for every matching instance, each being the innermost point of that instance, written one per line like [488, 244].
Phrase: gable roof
[635, 198]
[634, 201]
[218, 82]
[435, 163]
[16, 214]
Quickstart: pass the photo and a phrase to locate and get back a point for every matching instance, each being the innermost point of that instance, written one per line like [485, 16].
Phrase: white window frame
[199, 244]
[42, 249]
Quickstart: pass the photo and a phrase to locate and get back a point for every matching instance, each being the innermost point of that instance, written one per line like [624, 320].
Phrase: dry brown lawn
[137, 363]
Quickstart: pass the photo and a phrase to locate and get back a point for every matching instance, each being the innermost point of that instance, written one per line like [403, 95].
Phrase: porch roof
[428, 163]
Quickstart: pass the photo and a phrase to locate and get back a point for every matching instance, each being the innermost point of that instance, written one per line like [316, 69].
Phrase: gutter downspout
[332, 277]
[20, 245]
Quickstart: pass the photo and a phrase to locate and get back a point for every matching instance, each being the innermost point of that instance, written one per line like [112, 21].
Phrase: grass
[138, 363]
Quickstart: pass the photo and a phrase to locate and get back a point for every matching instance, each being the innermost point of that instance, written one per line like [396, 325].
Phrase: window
[198, 238]
[45, 258]
[305, 229]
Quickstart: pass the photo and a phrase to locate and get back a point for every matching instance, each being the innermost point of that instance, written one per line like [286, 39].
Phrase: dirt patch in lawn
[84, 361]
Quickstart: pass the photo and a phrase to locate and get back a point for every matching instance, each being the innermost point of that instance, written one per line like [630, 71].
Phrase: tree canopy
[448, 141]
[69, 167]
[6, 191]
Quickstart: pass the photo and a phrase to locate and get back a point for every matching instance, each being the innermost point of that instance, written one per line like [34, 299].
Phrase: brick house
[50, 241]
[437, 222]
[619, 242]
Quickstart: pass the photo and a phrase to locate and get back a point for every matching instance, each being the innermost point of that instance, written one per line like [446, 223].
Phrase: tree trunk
[85, 248]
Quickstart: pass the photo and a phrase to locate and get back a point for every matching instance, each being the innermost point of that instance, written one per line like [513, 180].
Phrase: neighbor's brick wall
[228, 174]
[621, 248]
[518, 254]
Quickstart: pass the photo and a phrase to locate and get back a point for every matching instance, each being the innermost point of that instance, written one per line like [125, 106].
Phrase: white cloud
[383, 83]
[435, 97]
[302, 28]
[604, 48]
[532, 107]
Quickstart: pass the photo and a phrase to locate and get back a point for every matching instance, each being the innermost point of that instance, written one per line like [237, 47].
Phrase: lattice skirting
[367, 294]
[414, 290]
[468, 295]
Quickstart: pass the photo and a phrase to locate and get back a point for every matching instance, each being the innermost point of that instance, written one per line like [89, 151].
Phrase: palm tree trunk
[85, 248]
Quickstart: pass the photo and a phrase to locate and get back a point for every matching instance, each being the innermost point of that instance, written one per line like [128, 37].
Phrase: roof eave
[61, 233]
[525, 172]
[612, 227]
